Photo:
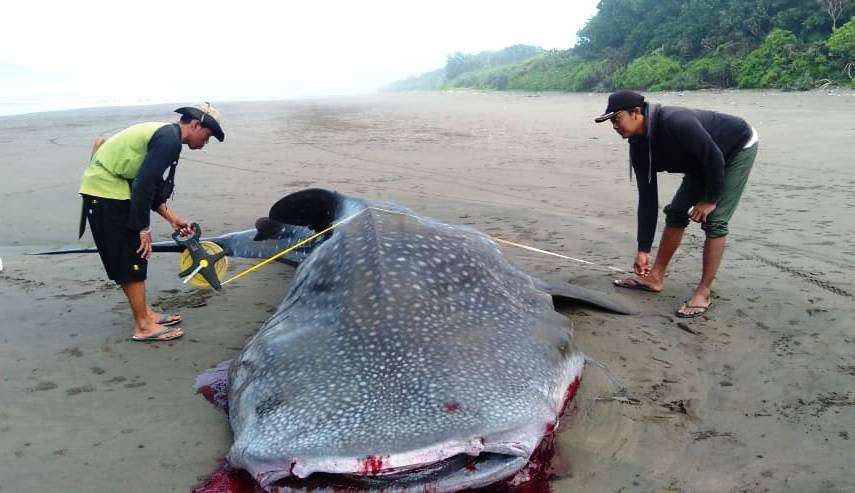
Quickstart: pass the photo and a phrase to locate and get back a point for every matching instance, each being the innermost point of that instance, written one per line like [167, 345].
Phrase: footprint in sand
[42, 386]
[79, 390]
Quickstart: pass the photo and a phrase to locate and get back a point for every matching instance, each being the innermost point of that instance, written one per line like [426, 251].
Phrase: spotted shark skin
[261, 243]
[403, 346]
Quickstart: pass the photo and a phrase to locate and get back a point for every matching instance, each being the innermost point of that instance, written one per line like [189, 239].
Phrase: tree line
[678, 44]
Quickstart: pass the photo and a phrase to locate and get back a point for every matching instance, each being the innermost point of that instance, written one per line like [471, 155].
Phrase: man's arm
[183, 226]
[95, 146]
[648, 209]
[163, 150]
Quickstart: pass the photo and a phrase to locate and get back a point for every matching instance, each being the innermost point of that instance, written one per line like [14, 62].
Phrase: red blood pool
[372, 465]
[228, 480]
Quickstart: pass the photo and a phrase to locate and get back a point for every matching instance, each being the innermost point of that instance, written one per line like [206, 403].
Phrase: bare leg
[135, 292]
[143, 325]
[668, 244]
[158, 316]
[655, 280]
[713, 252]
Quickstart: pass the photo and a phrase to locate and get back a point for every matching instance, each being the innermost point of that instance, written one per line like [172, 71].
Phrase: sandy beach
[756, 396]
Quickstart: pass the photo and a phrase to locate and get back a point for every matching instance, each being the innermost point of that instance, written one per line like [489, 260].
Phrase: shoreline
[62, 107]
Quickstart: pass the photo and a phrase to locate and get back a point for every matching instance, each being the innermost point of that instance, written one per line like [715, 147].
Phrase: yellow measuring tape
[307, 240]
[546, 252]
[196, 279]
[291, 248]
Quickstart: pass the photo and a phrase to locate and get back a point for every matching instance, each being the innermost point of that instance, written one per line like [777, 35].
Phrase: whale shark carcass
[407, 353]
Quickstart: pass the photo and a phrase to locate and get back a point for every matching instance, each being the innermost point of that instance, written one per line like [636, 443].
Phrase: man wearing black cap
[123, 182]
[714, 151]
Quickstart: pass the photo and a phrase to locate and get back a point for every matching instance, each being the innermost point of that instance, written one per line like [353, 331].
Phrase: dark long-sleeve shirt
[164, 149]
[697, 142]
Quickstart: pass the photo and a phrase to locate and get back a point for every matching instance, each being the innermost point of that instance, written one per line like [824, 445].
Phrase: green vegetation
[841, 44]
[549, 71]
[675, 45]
[429, 81]
[460, 66]
[460, 63]
[782, 61]
[654, 72]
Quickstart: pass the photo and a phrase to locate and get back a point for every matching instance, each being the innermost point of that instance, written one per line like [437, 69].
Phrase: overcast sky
[242, 49]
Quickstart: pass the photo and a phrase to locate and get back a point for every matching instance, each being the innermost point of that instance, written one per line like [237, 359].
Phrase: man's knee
[715, 229]
[676, 218]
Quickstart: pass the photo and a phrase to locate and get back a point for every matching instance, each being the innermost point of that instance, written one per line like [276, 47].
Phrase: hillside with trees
[676, 45]
[460, 63]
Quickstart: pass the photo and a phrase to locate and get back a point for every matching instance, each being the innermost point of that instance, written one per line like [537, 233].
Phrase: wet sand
[757, 396]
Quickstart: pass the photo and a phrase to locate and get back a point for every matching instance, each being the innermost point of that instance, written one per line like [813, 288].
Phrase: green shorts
[691, 191]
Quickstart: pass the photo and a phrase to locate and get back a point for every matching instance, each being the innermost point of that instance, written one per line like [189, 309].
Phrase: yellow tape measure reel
[220, 267]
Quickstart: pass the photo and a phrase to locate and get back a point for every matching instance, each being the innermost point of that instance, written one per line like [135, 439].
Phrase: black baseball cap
[621, 100]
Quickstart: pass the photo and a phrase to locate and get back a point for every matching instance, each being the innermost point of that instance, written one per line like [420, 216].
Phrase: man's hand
[182, 226]
[145, 244]
[641, 264]
[179, 225]
[701, 211]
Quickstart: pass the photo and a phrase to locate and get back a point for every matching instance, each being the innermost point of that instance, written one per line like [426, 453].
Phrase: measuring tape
[203, 263]
[291, 248]
[220, 271]
[186, 262]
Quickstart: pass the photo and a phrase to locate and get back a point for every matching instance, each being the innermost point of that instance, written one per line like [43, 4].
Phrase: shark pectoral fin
[266, 228]
[563, 290]
[313, 207]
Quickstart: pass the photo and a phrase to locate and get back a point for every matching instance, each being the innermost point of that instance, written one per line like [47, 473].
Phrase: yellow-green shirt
[117, 161]
[141, 154]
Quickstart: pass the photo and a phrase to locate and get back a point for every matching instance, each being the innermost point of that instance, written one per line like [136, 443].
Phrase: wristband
[146, 231]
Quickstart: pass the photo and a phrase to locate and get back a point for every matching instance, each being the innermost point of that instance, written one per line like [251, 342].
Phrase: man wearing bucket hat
[122, 183]
[714, 151]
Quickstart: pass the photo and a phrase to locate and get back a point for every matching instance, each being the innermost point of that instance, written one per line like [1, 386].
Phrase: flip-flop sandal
[633, 284]
[159, 337]
[704, 309]
[164, 321]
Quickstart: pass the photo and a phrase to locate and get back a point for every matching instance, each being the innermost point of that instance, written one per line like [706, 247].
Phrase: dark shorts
[117, 245]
